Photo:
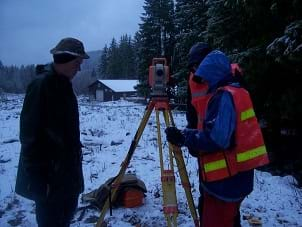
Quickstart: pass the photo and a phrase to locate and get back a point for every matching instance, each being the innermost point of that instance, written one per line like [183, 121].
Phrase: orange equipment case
[132, 198]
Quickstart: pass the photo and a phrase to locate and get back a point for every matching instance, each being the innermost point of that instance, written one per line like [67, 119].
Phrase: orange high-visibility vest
[249, 151]
[235, 67]
[199, 99]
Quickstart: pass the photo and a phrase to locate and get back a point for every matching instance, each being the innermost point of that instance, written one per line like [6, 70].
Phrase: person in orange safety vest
[228, 141]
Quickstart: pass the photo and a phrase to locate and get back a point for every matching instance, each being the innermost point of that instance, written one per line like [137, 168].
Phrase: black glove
[192, 152]
[175, 136]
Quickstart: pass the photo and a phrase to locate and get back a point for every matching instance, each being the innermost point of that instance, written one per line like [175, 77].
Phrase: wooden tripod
[160, 104]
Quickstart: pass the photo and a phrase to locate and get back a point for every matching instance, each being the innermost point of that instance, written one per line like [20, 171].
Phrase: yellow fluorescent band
[247, 114]
[215, 165]
[250, 154]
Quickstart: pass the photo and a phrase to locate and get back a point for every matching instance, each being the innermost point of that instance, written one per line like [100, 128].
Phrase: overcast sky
[30, 28]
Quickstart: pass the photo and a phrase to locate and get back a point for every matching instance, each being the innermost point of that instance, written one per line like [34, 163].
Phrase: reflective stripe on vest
[212, 166]
[241, 157]
[250, 154]
[198, 94]
[247, 114]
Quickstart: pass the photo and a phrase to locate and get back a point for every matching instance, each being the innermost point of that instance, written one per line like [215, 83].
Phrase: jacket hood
[215, 69]
[41, 69]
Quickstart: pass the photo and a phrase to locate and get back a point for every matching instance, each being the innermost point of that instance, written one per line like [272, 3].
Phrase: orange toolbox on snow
[132, 198]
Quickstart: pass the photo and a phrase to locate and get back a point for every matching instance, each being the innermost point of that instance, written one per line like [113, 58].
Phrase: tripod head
[159, 77]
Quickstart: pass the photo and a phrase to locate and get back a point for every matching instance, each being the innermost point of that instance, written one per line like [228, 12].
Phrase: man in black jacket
[50, 165]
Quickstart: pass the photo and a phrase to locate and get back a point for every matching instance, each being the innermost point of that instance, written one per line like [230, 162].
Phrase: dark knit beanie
[197, 53]
[63, 58]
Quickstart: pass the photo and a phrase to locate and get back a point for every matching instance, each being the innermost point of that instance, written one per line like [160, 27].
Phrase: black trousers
[57, 213]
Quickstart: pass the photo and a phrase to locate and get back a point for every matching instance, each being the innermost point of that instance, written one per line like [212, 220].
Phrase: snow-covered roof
[120, 85]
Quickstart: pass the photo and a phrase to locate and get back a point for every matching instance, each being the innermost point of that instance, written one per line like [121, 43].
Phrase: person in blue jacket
[217, 134]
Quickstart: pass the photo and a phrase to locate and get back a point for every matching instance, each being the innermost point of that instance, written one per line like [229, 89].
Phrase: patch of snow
[275, 201]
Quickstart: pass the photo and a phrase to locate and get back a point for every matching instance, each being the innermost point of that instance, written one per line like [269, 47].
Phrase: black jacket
[50, 164]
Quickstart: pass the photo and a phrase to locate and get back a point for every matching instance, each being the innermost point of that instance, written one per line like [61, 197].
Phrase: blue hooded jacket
[219, 127]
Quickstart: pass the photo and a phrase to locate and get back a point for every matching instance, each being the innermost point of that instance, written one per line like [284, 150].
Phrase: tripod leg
[168, 182]
[116, 183]
[160, 148]
[182, 171]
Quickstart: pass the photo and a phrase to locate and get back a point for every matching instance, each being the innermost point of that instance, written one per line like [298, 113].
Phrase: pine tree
[227, 25]
[156, 34]
[103, 64]
[114, 65]
[126, 54]
[190, 22]
[136, 46]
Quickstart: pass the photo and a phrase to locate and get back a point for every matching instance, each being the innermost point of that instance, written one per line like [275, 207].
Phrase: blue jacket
[218, 127]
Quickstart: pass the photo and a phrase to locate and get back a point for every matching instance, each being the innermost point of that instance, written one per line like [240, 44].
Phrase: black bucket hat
[70, 46]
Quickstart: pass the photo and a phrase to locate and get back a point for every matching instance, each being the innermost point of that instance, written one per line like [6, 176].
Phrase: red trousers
[218, 213]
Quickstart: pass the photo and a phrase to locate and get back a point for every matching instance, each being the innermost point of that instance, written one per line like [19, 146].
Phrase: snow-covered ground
[107, 130]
